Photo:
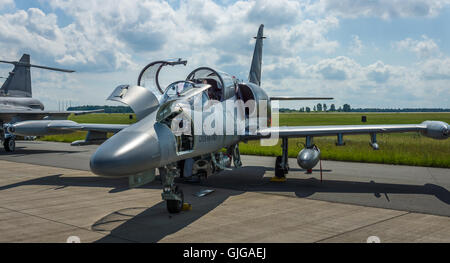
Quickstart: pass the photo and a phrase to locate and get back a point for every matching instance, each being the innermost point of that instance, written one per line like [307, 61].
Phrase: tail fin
[18, 83]
[255, 71]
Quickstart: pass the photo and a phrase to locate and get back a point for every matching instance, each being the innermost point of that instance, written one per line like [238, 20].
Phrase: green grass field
[402, 149]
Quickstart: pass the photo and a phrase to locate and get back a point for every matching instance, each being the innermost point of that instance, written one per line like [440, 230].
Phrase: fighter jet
[173, 134]
[17, 104]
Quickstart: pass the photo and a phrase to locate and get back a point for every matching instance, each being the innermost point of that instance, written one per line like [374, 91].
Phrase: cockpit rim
[206, 68]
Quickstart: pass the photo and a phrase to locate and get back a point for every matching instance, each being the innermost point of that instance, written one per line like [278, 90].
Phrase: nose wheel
[172, 194]
[176, 206]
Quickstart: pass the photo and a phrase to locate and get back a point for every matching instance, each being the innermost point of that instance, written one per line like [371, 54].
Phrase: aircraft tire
[279, 172]
[175, 206]
[9, 144]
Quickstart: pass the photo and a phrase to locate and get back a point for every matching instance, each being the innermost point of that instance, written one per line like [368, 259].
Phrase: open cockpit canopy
[223, 85]
[149, 77]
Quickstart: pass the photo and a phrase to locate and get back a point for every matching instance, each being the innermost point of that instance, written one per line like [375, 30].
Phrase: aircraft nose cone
[126, 153]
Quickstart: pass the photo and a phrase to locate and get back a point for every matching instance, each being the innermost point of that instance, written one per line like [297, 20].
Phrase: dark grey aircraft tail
[255, 71]
[18, 84]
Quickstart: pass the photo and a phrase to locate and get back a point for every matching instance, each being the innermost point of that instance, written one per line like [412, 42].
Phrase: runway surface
[48, 194]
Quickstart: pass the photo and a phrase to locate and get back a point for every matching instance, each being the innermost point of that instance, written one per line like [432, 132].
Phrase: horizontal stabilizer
[18, 84]
[54, 69]
[86, 112]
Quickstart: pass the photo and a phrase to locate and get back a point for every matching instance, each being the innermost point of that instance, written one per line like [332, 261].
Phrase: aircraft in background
[137, 151]
[17, 104]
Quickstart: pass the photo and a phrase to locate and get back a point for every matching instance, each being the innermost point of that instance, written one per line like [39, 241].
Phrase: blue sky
[376, 53]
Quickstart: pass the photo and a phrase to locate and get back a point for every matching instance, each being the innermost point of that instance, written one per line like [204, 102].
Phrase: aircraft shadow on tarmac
[306, 187]
[154, 223]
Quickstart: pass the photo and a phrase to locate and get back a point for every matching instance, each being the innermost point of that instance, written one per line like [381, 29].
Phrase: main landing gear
[282, 163]
[10, 144]
[8, 140]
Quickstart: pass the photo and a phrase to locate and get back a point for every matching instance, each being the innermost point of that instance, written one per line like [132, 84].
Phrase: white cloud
[134, 28]
[307, 35]
[356, 46]
[436, 69]
[339, 68]
[109, 38]
[424, 48]
[277, 12]
[116, 36]
[6, 3]
[385, 9]
[38, 33]
[379, 84]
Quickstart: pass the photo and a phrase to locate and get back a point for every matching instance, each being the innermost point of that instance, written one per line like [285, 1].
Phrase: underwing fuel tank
[436, 130]
[140, 148]
[308, 158]
[42, 128]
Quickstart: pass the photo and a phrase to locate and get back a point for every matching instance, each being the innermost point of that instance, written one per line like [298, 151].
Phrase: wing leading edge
[50, 127]
[433, 129]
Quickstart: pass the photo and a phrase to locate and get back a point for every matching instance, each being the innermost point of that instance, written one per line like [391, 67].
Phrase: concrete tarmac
[47, 194]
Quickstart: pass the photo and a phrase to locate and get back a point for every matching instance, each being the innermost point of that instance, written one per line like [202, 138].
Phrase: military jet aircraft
[17, 104]
[155, 141]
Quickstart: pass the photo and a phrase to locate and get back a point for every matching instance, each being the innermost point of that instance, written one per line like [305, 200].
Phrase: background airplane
[17, 104]
[138, 150]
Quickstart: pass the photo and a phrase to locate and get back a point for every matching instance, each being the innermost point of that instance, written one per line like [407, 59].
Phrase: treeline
[347, 108]
[401, 110]
[321, 108]
[108, 109]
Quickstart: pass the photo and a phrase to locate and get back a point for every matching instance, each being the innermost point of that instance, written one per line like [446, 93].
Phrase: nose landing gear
[172, 194]
[176, 206]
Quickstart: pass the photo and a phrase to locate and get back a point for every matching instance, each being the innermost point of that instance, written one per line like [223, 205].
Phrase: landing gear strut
[172, 194]
[282, 162]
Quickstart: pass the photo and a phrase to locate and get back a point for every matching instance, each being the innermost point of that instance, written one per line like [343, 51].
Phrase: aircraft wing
[49, 127]
[434, 129]
[7, 116]
[74, 126]
[97, 133]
